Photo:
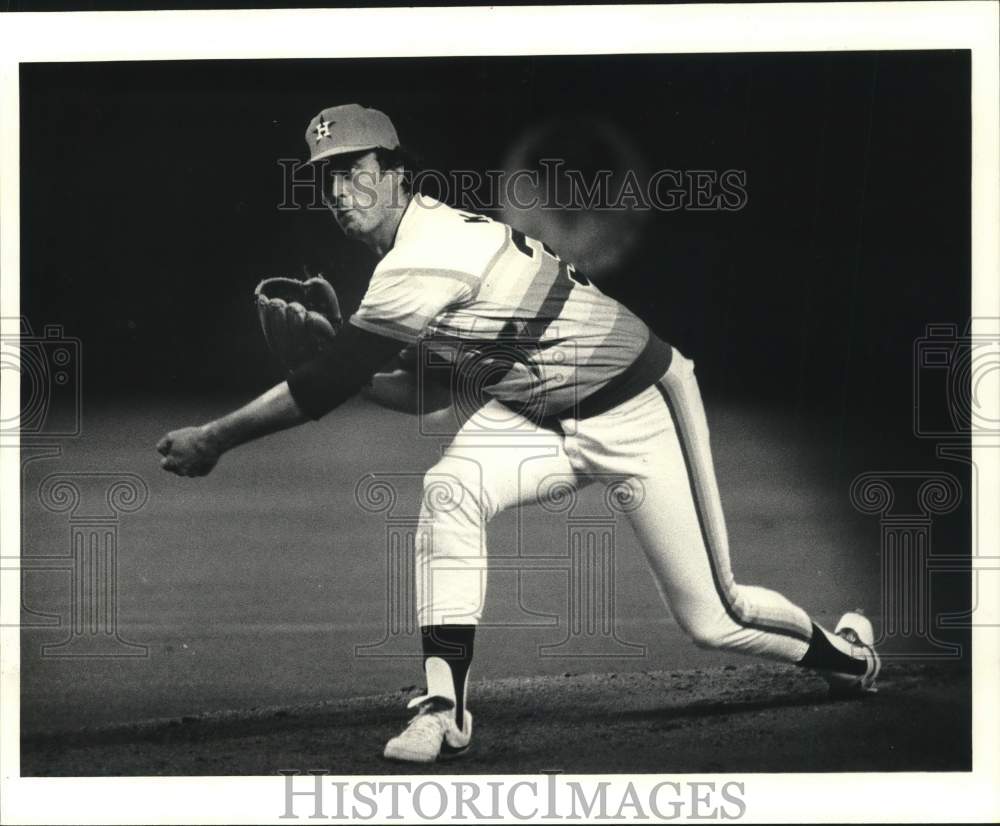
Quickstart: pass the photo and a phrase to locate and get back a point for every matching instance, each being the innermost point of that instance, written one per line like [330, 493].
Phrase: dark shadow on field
[752, 718]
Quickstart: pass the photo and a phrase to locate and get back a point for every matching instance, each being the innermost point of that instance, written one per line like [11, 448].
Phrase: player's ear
[390, 163]
[394, 171]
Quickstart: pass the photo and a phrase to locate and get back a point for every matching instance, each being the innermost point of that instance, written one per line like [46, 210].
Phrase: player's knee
[454, 489]
[707, 631]
[709, 638]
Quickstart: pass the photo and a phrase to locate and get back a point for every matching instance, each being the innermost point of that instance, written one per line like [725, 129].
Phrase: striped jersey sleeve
[400, 303]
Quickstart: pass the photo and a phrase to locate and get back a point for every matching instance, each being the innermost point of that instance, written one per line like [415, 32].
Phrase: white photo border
[483, 31]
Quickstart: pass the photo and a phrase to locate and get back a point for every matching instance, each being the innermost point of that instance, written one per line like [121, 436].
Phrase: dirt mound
[762, 718]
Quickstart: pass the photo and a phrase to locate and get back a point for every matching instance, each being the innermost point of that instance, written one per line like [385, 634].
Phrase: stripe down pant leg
[660, 442]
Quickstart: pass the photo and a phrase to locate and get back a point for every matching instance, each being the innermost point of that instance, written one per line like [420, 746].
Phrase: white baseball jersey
[502, 306]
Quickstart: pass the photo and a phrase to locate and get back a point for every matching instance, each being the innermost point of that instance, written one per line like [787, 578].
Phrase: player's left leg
[479, 475]
[660, 441]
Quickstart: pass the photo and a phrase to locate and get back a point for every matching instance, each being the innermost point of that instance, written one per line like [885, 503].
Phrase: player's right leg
[480, 474]
[682, 529]
[755, 617]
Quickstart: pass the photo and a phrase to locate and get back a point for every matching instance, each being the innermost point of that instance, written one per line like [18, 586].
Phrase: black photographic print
[438, 430]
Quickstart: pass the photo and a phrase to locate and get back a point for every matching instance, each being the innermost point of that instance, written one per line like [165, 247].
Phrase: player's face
[358, 193]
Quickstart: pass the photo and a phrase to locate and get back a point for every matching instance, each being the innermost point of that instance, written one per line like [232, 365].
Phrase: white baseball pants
[658, 444]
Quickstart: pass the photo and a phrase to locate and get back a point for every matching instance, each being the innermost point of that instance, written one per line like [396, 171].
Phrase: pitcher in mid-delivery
[599, 393]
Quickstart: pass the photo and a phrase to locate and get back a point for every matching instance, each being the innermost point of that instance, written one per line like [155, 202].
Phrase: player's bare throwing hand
[601, 394]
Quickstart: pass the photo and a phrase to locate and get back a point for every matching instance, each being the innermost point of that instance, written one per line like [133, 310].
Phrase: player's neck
[383, 237]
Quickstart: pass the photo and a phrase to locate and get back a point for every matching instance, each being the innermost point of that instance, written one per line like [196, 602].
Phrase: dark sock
[454, 645]
[822, 654]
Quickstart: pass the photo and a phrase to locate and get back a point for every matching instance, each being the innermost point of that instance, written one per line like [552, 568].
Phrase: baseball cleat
[432, 734]
[857, 629]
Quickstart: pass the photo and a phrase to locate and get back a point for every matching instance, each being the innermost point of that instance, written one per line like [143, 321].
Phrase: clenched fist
[190, 451]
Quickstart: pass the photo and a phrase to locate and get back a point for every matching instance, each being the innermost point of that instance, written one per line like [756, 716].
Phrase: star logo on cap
[323, 128]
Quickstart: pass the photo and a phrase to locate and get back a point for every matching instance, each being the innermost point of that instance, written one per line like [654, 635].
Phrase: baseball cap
[349, 128]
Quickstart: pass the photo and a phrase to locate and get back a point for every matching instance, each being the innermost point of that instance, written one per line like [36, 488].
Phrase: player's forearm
[269, 413]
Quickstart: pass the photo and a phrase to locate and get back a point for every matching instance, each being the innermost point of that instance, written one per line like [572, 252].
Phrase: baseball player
[558, 385]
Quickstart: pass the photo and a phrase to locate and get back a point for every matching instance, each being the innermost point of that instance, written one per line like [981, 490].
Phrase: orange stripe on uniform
[686, 437]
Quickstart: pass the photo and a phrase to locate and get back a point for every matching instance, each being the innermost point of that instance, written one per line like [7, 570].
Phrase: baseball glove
[299, 318]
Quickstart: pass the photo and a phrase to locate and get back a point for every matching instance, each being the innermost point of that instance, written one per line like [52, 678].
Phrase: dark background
[149, 195]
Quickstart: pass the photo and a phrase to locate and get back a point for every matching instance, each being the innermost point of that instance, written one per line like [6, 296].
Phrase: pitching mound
[751, 718]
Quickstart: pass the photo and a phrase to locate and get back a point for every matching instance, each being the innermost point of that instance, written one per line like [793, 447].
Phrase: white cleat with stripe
[432, 734]
[857, 629]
